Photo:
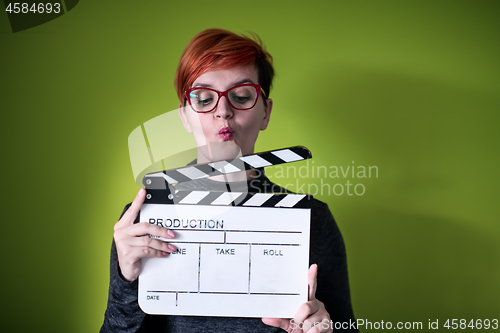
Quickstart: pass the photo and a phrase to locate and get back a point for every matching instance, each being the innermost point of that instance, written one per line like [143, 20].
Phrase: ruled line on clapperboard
[274, 232]
[218, 292]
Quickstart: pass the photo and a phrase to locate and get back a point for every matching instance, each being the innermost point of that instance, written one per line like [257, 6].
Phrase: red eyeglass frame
[224, 93]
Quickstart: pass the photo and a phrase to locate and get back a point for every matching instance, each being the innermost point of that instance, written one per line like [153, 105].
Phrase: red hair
[222, 49]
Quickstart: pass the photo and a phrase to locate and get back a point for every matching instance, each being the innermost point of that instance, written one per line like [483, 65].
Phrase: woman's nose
[223, 109]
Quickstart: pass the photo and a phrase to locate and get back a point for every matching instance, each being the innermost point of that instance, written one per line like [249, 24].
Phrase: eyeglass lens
[204, 100]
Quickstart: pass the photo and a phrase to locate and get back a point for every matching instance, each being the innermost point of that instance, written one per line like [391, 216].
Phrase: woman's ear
[185, 121]
[267, 114]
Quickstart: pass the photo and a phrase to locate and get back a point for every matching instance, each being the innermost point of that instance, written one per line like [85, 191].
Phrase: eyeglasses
[242, 97]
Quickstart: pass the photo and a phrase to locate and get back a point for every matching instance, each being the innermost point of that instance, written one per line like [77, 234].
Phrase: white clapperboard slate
[238, 254]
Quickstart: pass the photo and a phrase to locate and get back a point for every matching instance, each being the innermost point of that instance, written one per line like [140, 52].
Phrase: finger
[312, 281]
[306, 310]
[129, 217]
[136, 205]
[320, 327]
[144, 228]
[153, 243]
[309, 326]
[284, 324]
[316, 319]
[136, 253]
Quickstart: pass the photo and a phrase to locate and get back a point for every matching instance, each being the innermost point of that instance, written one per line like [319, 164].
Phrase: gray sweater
[326, 249]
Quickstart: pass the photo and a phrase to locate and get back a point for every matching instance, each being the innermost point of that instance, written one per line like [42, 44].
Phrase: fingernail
[141, 191]
[172, 247]
[164, 253]
[171, 233]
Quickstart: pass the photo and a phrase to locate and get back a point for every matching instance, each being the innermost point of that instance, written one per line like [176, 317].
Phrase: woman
[223, 83]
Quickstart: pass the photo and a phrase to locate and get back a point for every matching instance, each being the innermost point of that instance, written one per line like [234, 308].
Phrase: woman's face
[226, 132]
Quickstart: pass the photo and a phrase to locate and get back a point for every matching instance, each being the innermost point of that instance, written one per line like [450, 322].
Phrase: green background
[409, 87]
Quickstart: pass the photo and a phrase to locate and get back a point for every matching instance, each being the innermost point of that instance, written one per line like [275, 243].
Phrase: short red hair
[222, 49]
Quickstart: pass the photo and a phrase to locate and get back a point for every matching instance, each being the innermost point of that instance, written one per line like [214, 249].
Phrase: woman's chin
[218, 151]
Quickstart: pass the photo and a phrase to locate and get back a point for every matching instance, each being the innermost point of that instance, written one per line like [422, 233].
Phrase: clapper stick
[157, 180]
[211, 198]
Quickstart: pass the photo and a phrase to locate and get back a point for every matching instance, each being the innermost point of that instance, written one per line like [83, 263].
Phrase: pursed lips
[226, 133]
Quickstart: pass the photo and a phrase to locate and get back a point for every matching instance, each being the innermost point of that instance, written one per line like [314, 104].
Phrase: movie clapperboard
[238, 254]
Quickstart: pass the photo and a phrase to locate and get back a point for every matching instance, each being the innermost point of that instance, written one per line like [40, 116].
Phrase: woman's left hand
[311, 317]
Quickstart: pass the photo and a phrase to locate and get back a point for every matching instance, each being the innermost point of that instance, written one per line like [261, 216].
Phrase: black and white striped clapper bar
[238, 254]
[269, 158]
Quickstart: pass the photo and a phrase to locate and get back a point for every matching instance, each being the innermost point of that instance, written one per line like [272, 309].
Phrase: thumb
[284, 324]
[312, 281]
[129, 217]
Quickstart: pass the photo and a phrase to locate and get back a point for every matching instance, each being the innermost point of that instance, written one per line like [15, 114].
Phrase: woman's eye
[241, 99]
[204, 101]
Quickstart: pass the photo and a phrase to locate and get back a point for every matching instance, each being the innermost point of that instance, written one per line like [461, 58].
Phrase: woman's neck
[219, 151]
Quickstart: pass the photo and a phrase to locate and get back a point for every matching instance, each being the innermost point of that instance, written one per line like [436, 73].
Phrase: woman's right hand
[132, 241]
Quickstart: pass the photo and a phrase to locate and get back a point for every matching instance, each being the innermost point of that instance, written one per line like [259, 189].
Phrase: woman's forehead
[227, 78]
